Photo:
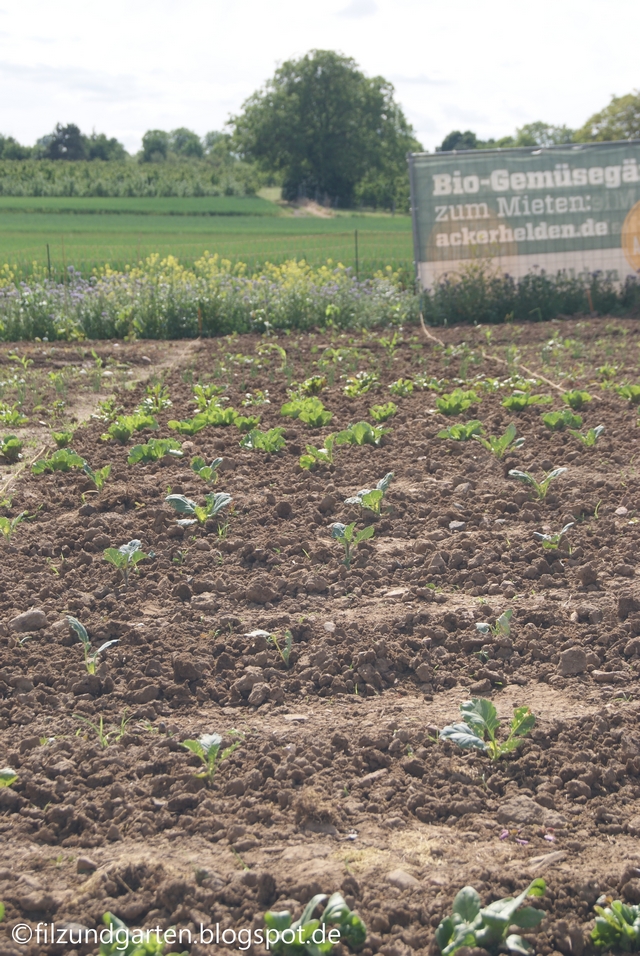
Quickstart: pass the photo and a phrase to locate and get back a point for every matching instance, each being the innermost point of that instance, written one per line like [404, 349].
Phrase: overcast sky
[489, 65]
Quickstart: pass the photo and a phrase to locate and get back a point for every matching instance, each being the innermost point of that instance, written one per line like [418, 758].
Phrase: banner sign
[574, 209]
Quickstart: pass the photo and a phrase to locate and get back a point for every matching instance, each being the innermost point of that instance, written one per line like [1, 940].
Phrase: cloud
[359, 8]
[98, 85]
[420, 80]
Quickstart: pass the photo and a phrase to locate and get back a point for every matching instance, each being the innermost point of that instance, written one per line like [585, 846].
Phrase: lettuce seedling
[7, 777]
[198, 514]
[478, 732]
[576, 399]
[371, 498]
[502, 627]
[318, 456]
[97, 477]
[90, 657]
[207, 748]
[9, 525]
[244, 423]
[558, 421]
[212, 415]
[131, 942]
[350, 538]
[591, 436]
[313, 385]
[617, 926]
[154, 450]
[313, 937]
[208, 473]
[156, 400]
[362, 433]
[539, 488]
[12, 416]
[11, 448]
[488, 928]
[521, 400]
[499, 446]
[403, 387]
[125, 558]
[311, 411]
[125, 425]
[630, 392]
[62, 439]
[456, 402]
[462, 431]
[360, 384]
[62, 460]
[270, 441]
[285, 650]
[380, 413]
[551, 542]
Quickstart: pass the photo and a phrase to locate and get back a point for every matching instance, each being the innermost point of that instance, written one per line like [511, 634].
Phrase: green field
[88, 232]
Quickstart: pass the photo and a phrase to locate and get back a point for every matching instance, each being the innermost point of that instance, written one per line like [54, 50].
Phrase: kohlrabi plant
[7, 778]
[371, 498]
[590, 438]
[283, 647]
[502, 627]
[62, 439]
[380, 413]
[350, 538]
[518, 401]
[91, 657]
[558, 421]
[480, 725]
[617, 926]
[360, 384]
[11, 448]
[9, 525]
[207, 748]
[198, 514]
[318, 456]
[208, 473]
[154, 450]
[403, 387]
[576, 399]
[474, 926]
[461, 431]
[362, 433]
[630, 392]
[314, 937]
[156, 399]
[500, 445]
[125, 558]
[62, 460]
[97, 477]
[122, 941]
[539, 488]
[125, 425]
[456, 402]
[551, 542]
[311, 411]
[270, 441]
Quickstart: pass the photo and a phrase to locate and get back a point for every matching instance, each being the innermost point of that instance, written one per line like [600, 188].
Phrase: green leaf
[7, 776]
[528, 917]
[184, 506]
[464, 736]
[523, 721]
[278, 920]
[363, 535]
[467, 904]
[79, 629]
[516, 944]
[480, 714]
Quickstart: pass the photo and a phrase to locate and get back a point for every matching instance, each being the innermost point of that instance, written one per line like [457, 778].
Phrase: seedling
[502, 627]
[285, 650]
[156, 400]
[265, 347]
[403, 387]
[350, 538]
[521, 400]
[462, 431]
[360, 384]
[91, 657]
[62, 460]
[7, 778]
[371, 498]
[244, 423]
[205, 394]
[198, 514]
[213, 415]
[499, 446]
[98, 477]
[9, 525]
[558, 421]
[591, 436]
[11, 448]
[270, 441]
[456, 402]
[362, 433]
[488, 928]
[208, 473]
[207, 748]
[125, 558]
[617, 926]
[551, 542]
[62, 439]
[154, 450]
[131, 942]
[318, 456]
[12, 416]
[576, 399]
[313, 385]
[311, 411]
[125, 425]
[103, 735]
[630, 392]
[312, 937]
[478, 732]
[256, 398]
[539, 488]
[380, 413]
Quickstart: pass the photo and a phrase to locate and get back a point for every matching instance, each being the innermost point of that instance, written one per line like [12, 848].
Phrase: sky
[486, 65]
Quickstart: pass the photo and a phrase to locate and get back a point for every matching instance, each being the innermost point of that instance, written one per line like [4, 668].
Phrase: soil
[339, 782]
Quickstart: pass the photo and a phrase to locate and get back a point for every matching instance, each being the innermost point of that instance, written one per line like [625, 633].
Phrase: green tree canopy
[184, 142]
[619, 120]
[325, 127]
[155, 146]
[70, 143]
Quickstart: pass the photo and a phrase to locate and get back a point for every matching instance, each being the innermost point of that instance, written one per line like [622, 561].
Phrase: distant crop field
[89, 232]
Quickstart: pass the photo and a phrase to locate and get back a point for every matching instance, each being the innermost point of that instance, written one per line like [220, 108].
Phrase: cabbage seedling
[7, 777]
[478, 732]
[617, 926]
[125, 558]
[285, 650]
[208, 473]
[9, 525]
[576, 399]
[156, 400]
[205, 394]
[360, 384]
[499, 446]
[463, 431]
[10, 415]
[207, 748]
[403, 387]
[270, 441]
[97, 477]
[62, 460]
[350, 538]
[539, 488]
[456, 402]
[313, 385]
[306, 934]
[371, 498]
[521, 400]
[62, 439]
[380, 413]
[198, 514]
[502, 627]
[90, 657]
[551, 542]
[318, 456]
[591, 437]
[154, 450]
[630, 392]
[362, 433]
[11, 448]
[558, 421]
[472, 925]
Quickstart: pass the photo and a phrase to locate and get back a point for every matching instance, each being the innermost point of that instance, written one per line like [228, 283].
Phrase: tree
[542, 134]
[155, 146]
[619, 120]
[458, 140]
[183, 142]
[324, 126]
[10, 148]
[99, 146]
[66, 142]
